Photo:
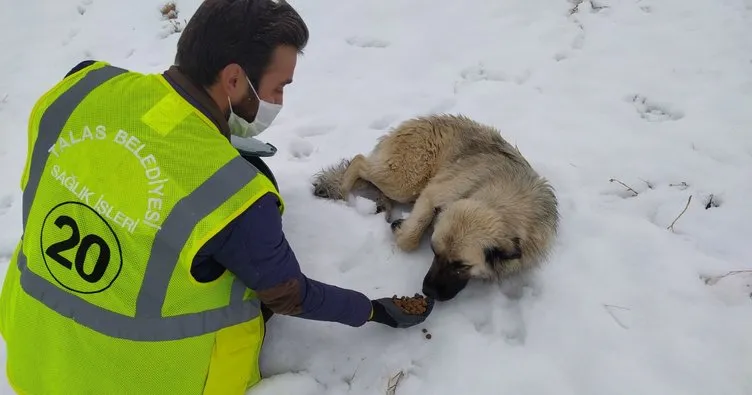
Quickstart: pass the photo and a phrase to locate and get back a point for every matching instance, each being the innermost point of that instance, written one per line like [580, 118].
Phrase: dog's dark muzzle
[443, 282]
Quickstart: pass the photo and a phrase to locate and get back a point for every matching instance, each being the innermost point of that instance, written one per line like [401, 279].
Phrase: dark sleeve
[80, 66]
[255, 249]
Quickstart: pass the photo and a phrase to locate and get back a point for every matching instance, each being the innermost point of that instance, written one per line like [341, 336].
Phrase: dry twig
[349, 382]
[608, 310]
[683, 185]
[715, 279]
[575, 6]
[671, 227]
[624, 185]
[648, 183]
[711, 202]
[394, 382]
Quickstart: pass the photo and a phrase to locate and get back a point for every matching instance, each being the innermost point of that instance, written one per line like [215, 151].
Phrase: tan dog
[493, 215]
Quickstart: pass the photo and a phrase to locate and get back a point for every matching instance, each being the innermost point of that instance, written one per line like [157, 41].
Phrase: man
[149, 242]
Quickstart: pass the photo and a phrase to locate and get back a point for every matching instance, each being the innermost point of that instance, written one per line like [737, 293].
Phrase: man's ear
[497, 256]
[232, 81]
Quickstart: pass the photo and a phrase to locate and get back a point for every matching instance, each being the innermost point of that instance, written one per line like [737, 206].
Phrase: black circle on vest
[81, 237]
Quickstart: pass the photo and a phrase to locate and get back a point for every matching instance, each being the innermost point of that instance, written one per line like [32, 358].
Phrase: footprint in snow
[5, 203]
[504, 321]
[71, 35]
[734, 288]
[578, 41]
[443, 106]
[562, 55]
[367, 42]
[653, 111]
[314, 130]
[523, 77]
[383, 122]
[301, 149]
[480, 73]
[172, 26]
[81, 8]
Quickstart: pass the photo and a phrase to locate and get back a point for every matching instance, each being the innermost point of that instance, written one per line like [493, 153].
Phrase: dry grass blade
[608, 308]
[671, 227]
[624, 185]
[394, 382]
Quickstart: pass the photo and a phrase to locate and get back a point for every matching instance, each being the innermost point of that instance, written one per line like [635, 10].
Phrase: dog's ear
[497, 255]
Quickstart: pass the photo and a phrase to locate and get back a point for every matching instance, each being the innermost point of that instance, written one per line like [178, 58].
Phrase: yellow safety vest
[124, 182]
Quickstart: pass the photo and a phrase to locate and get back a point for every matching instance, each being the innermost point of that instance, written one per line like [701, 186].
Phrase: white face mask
[264, 117]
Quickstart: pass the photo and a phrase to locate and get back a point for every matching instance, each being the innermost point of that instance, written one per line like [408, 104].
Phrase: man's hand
[387, 313]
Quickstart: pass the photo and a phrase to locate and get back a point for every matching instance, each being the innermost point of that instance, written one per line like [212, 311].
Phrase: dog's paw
[406, 242]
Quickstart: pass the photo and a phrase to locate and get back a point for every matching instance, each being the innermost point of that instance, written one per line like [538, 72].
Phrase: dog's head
[469, 241]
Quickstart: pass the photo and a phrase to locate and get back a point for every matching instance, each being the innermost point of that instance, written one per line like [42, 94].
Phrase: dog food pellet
[428, 336]
[415, 305]
[425, 330]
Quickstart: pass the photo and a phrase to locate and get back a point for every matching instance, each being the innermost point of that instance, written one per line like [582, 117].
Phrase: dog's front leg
[408, 232]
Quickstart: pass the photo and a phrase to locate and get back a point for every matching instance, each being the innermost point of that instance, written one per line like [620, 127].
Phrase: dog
[493, 215]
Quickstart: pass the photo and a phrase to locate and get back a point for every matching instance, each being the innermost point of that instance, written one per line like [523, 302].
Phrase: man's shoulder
[80, 66]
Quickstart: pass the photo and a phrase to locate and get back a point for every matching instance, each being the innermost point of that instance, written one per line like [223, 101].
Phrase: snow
[654, 94]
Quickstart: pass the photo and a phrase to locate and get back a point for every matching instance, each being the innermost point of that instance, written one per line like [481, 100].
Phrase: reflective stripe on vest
[148, 324]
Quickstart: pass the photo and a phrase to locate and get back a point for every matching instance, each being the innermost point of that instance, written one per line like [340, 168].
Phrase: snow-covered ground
[654, 94]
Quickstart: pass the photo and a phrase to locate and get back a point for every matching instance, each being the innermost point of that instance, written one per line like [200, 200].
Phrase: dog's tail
[327, 183]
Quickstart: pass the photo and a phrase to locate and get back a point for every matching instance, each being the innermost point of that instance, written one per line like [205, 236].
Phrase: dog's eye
[458, 266]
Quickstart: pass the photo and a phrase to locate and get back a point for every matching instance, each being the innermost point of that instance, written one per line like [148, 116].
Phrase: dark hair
[245, 32]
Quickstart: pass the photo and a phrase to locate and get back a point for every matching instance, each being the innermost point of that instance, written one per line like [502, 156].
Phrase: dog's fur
[493, 215]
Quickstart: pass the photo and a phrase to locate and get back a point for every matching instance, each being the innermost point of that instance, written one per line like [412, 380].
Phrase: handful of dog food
[415, 305]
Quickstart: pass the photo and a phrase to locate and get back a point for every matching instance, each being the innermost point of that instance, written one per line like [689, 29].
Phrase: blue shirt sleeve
[255, 249]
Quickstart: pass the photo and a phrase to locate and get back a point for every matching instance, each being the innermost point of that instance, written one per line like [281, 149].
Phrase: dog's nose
[429, 291]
